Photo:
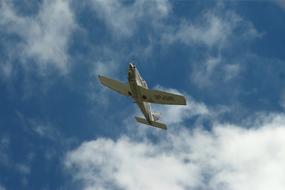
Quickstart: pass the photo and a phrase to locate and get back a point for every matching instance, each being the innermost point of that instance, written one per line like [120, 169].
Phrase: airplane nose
[132, 66]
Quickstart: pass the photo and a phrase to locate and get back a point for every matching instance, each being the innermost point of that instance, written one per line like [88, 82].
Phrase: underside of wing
[161, 97]
[118, 86]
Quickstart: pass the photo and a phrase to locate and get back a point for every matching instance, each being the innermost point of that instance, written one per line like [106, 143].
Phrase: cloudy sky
[60, 129]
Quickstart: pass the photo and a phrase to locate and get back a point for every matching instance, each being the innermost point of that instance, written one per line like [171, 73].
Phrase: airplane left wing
[161, 97]
[118, 86]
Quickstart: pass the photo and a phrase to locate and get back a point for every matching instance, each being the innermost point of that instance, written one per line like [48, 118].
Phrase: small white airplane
[138, 90]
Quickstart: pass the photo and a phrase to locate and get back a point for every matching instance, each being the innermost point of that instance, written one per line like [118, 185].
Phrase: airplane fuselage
[136, 80]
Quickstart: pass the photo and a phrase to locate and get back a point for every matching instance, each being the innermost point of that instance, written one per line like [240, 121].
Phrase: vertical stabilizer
[155, 116]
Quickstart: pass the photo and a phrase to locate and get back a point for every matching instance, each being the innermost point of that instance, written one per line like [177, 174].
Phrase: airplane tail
[155, 116]
[152, 123]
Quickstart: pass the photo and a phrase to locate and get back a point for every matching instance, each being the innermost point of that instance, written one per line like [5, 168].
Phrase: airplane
[137, 89]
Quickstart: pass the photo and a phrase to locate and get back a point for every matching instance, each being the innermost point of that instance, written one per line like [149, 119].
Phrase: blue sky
[60, 129]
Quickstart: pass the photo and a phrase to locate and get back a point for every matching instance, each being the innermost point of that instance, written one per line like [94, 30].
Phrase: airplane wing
[160, 97]
[119, 87]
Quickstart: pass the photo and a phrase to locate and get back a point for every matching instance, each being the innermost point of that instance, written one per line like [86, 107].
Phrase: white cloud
[133, 169]
[281, 3]
[229, 157]
[231, 71]
[23, 169]
[96, 93]
[105, 68]
[4, 142]
[44, 130]
[282, 99]
[203, 72]
[206, 73]
[123, 18]
[2, 187]
[215, 29]
[5, 70]
[176, 114]
[45, 36]
[4, 147]
[39, 127]
[213, 32]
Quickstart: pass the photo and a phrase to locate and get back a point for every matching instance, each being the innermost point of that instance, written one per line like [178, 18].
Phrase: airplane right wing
[119, 87]
[161, 97]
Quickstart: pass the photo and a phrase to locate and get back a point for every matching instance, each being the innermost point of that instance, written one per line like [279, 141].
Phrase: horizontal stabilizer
[152, 123]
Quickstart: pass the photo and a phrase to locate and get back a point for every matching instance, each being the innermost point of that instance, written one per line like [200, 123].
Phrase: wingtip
[101, 78]
[183, 101]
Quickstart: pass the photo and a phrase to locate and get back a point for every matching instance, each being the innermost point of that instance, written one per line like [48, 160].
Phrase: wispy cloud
[215, 28]
[123, 18]
[281, 3]
[5, 70]
[214, 32]
[173, 115]
[2, 187]
[7, 161]
[207, 72]
[39, 127]
[44, 36]
[4, 147]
